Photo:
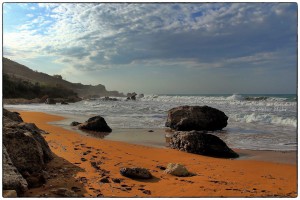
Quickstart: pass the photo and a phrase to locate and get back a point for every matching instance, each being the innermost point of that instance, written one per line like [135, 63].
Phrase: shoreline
[214, 177]
[276, 156]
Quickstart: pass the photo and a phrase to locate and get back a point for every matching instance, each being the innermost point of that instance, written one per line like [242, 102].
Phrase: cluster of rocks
[52, 101]
[174, 169]
[191, 124]
[109, 99]
[25, 153]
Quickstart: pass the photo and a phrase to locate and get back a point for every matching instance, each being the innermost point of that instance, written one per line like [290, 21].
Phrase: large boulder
[201, 143]
[135, 172]
[96, 123]
[12, 179]
[26, 147]
[187, 118]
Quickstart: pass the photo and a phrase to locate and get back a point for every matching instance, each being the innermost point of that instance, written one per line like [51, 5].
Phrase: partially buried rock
[64, 192]
[201, 143]
[177, 170]
[96, 123]
[187, 118]
[136, 172]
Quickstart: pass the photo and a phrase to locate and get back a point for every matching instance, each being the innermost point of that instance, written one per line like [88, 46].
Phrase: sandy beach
[81, 162]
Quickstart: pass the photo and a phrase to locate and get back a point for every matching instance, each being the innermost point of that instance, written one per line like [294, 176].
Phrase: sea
[256, 121]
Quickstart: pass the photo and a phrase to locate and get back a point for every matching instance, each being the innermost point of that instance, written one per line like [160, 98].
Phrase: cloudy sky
[198, 48]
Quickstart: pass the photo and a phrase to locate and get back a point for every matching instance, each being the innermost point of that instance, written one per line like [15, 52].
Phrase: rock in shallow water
[135, 172]
[97, 124]
[201, 143]
[187, 118]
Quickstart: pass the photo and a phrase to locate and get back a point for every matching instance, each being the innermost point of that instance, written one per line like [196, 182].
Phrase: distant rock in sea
[187, 118]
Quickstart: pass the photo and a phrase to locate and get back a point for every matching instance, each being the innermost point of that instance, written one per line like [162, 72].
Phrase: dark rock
[15, 116]
[97, 124]
[150, 131]
[131, 96]
[50, 101]
[109, 99]
[64, 103]
[187, 118]
[135, 172]
[83, 159]
[161, 167]
[116, 180]
[28, 150]
[104, 180]
[201, 143]
[148, 192]
[44, 98]
[95, 165]
[35, 180]
[11, 178]
[74, 123]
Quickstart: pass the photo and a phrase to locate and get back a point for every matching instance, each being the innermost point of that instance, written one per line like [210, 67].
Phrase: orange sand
[215, 177]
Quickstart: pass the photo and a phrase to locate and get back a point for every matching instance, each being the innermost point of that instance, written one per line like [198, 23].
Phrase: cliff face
[14, 69]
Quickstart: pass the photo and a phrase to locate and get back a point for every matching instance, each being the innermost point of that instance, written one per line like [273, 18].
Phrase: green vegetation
[17, 88]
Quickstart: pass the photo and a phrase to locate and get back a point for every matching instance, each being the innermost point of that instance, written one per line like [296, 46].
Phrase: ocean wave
[265, 119]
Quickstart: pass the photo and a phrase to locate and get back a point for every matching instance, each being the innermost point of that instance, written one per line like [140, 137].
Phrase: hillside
[14, 69]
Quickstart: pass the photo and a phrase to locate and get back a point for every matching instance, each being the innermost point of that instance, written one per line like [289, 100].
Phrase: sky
[159, 48]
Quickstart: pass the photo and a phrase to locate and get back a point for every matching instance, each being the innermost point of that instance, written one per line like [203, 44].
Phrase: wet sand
[82, 161]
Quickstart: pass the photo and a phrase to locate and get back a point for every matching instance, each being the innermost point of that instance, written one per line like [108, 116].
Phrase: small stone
[160, 167]
[150, 131]
[83, 159]
[136, 172]
[177, 170]
[148, 192]
[104, 180]
[116, 180]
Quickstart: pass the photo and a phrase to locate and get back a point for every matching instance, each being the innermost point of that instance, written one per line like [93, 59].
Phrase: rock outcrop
[136, 172]
[201, 143]
[96, 123]
[25, 153]
[14, 116]
[12, 179]
[187, 118]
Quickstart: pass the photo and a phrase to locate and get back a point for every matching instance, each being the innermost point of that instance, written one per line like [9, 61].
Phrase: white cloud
[92, 36]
